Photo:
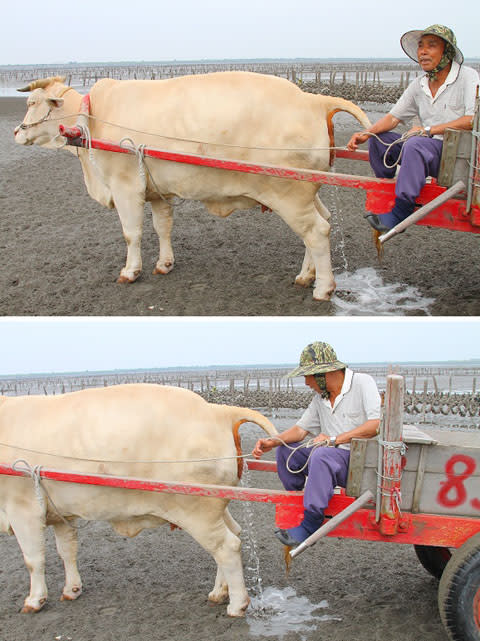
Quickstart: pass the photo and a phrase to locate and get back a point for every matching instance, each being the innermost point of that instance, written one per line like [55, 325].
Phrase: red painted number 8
[453, 492]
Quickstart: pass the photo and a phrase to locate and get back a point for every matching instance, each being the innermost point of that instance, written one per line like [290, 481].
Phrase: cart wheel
[459, 593]
[433, 559]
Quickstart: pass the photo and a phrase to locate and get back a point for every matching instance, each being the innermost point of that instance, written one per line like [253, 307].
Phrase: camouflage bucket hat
[409, 41]
[317, 358]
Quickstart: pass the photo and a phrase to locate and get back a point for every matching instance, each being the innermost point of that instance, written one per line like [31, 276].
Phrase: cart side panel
[437, 479]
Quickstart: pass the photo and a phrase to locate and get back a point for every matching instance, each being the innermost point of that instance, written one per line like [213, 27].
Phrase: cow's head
[44, 108]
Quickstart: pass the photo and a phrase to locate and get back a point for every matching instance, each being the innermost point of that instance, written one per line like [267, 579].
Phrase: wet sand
[62, 252]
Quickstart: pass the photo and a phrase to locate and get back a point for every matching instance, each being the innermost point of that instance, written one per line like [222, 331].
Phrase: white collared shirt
[358, 401]
[454, 99]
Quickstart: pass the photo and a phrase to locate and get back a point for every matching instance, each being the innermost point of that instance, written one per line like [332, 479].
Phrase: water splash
[282, 612]
[363, 292]
[253, 580]
[337, 224]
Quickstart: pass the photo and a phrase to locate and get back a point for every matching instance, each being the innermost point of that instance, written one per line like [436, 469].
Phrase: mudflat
[62, 252]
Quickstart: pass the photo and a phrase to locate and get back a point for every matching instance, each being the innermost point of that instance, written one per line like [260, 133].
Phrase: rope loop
[41, 493]
[389, 146]
[400, 446]
[308, 444]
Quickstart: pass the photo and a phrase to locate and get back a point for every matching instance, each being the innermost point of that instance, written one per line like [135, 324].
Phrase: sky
[60, 345]
[114, 30]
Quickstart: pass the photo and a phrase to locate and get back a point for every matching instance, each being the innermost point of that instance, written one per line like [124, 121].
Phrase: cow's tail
[334, 105]
[240, 415]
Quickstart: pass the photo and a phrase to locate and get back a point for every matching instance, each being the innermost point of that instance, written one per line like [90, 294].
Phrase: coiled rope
[389, 146]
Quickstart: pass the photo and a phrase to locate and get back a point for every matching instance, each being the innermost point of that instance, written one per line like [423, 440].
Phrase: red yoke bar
[212, 491]
[423, 529]
[380, 192]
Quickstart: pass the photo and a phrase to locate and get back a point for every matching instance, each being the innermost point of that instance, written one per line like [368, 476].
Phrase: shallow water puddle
[281, 611]
[363, 292]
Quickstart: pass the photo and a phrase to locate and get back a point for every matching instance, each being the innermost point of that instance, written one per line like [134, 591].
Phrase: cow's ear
[55, 102]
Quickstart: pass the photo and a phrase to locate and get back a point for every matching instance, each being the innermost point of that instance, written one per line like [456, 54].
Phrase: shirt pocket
[351, 419]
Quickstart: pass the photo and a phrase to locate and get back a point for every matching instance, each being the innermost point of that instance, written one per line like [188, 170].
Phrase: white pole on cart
[332, 523]
[455, 189]
[390, 441]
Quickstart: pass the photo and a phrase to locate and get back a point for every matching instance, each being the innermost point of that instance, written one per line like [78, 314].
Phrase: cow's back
[121, 429]
[247, 111]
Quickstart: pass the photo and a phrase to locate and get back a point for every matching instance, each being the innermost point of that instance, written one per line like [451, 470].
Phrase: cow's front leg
[29, 530]
[67, 545]
[130, 208]
[162, 214]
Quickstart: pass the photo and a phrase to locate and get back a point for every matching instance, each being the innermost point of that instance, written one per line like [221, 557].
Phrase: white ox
[126, 423]
[251, 117]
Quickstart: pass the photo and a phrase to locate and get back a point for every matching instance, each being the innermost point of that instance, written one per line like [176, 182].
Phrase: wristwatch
[428, 131]
[332, 441]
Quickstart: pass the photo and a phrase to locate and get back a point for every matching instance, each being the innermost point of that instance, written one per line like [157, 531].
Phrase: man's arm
[386, 123]
[292, 435]
[366, 430]
[464, 122]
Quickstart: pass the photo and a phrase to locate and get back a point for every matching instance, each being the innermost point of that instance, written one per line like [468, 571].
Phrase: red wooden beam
[168, 487]
[380, 191]
[424, 529]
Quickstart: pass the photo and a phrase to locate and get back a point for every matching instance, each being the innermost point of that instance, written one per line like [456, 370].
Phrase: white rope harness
[172, 138]
[146, 462]
[41, 492]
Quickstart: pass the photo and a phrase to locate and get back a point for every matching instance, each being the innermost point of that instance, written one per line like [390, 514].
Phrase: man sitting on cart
[442, 98]
[345, 405]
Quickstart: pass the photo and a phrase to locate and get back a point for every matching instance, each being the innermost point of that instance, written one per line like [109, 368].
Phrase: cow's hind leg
[130, 208]
[162, 215]
[217, 539]
[219, 594]
[29, 530]
[67, 546]
[307, 274]
[314, 230]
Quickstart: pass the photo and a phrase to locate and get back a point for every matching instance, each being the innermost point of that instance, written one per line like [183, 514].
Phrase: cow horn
[42, 83]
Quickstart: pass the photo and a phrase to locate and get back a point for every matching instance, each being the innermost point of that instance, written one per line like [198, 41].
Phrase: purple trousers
[420, 158]
[327, 468]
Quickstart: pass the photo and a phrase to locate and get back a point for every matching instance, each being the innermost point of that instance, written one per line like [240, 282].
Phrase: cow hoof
[218, 598]
[238, 612]
[32, 609]
[123, 278]
[163, 268]
[304, 281]
[71, 595]
[322, 294]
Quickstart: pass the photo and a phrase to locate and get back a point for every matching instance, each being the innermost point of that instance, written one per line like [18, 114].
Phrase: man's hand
[262, 446]
[357, 139]
[322, 439]
[417, 131]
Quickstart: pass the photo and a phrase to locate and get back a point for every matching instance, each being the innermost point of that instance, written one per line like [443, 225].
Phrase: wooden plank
[356, 466]
[419, 478]
[451, 477]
